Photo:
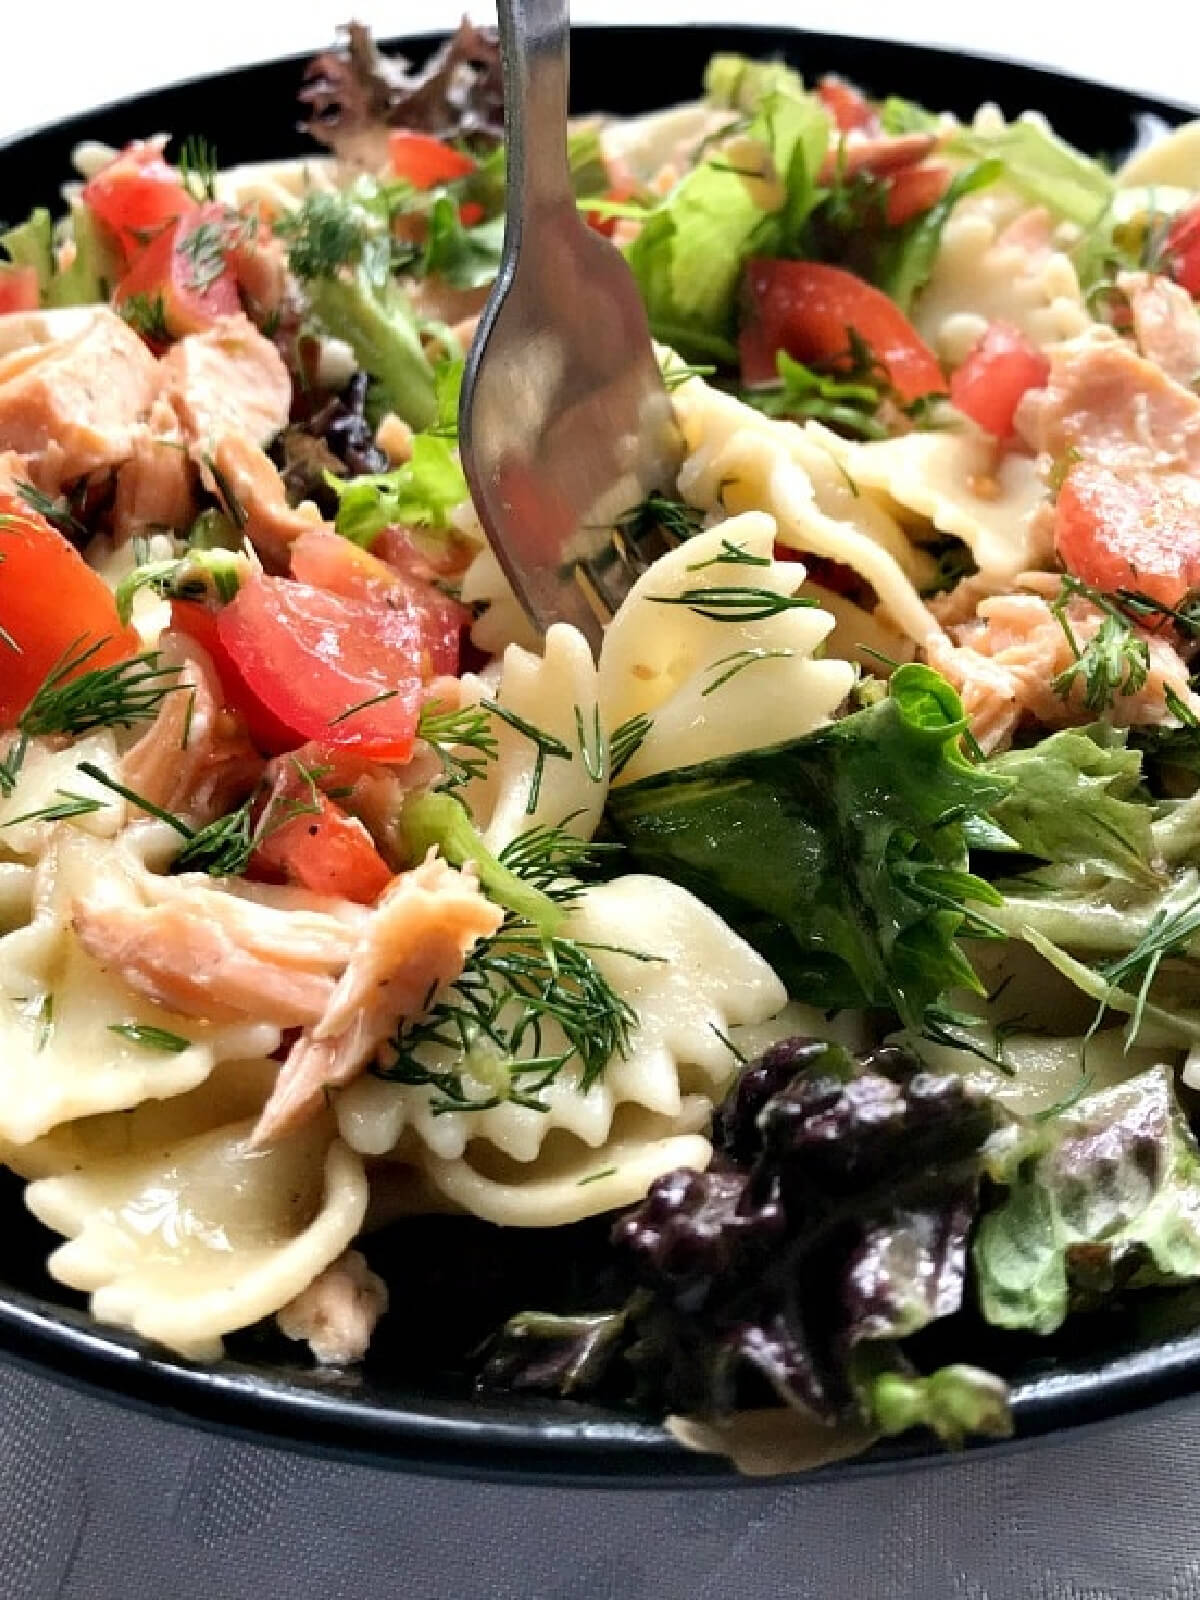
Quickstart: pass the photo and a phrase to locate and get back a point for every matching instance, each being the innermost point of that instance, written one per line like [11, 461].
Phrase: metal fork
[564, 423]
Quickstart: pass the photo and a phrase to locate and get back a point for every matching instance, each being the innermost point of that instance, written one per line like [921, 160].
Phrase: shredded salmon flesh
[1166, 324]
[205, 952]
[415, 940]
[1004, 660]
[336, 1315]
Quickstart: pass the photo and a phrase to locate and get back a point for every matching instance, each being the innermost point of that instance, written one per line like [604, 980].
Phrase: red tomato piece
[605, 224]
[424, 161]
[1137, 530]
[18, 288]
[314, 659]
[470, 212]
[51, 604]
[1000, 369]
[326, 851]
[188, 268]
[266, 731]
[327, 561]
[137, 195]
[1183, 250]
[846, 105]
[913, 191]
[808, 309]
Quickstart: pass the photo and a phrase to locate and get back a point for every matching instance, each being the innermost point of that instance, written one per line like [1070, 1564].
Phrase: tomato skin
[1001, 368]
[848, 108]
[51, 602]
[136, 195]
[1183, 250]
[914, 190]
[327, 851]
[310, 657]
[598, 222]
[808, 309]
[424, 161]
[329, 562]
[266, 731]
[1136, 530]
[471, 212]
[166, 269]
[18, 288]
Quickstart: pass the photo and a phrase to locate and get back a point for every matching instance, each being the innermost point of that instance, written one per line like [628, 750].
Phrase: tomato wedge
[266, 731]
[136, 195]
[809, 309]
[326, 851]
[424, 161]
[913, 191]
[187, 269]
[1000, 369]
[327, 561]
[344, 671]
[51, 604]
[18, 288]
[1137, 530]
[844, 103]
[1183, 250]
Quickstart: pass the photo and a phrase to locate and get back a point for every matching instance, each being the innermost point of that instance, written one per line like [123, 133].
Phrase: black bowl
[411, 1403]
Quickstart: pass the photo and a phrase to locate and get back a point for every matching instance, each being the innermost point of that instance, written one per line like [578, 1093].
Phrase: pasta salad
[821, 961]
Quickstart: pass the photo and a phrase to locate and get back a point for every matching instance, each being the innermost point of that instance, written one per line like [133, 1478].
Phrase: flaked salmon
[74, 406]
[336, 1315]
[416, 939]
[271, 524]
[1166, 324]
[155, 485]
[228, 379]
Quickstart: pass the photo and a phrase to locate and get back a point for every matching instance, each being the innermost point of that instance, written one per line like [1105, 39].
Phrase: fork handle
[535, 36]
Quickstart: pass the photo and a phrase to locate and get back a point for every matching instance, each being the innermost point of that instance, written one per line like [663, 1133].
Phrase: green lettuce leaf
[742, 84]
[1106, 1196]
[424, 490]
[688, 257]
[1047, 171]
[31, 244]
[907, 254]
[842, 855]
[466, 258]
[86, 280]
[1075, 800]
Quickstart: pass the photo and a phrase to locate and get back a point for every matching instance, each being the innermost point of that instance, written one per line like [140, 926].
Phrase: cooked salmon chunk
[228, 379]
[74, 406]
[155, 485]
[271, 524]
[416, 939]
[336, 1315]
[1166, 324]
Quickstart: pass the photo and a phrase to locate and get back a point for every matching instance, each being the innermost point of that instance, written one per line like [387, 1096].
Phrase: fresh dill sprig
[56, 512]
[146, 314]
[545, 744]
[626, 741]
[150, 1037]
[551, 858]
[75, 701]
[1169, 934]
[658, 514]
[230, 504]
[198, 168]
[363, 705]
[1186, 617]
[1114, 662]
[67, 806]
[730, 555]
[739, 661]
[676, 376]
[593, 745]
[462, 738]
[735, 602]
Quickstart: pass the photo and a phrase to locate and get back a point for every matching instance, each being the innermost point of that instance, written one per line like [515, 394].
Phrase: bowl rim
[579, 1445]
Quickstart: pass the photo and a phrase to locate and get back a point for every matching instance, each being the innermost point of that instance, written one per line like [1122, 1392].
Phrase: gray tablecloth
[100, 1503]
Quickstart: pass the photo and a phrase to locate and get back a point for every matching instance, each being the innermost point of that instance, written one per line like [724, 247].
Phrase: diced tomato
[1137, 530]
[51, 604]
[187, 267]
[315, 659]
[424, 553]
[913, 191]
[326, 851]
[18, 288]
[1000, 369]
[424, 161]
[470, 212]
[809, 310]
[267, 732]
[848, 108]
[329, 562]
[1183, 250]
[137, 195]
[598, 221]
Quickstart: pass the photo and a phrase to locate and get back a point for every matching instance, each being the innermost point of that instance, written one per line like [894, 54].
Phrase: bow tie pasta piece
[59, 1055]
[557, 694]
[51, 777]
[717, 684]
[503, 621]
[740, 460]
[16, 894]
[702, 981]
[953, 481]
[189, 1243]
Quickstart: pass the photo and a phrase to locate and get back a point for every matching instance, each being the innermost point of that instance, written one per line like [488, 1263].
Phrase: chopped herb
[57, 513]
[1114, 662]
[200, 575]
[593, 754]
[546, 744]
[463, 740]
[595, 1177]
[198, 168]
[676, 376]
[1186, 617]
[205, 249]
[45, 1020]
[739, 661]
[151, 1038]
[730, 555]
[1169, 934]
[658, 514]
[362, 705]
[735, 603]
[146, 314]
[230, 504]
[74, 701]
[62, 810]
[626, 742]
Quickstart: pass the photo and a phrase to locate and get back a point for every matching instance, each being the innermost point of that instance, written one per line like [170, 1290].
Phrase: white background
[63, 55]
